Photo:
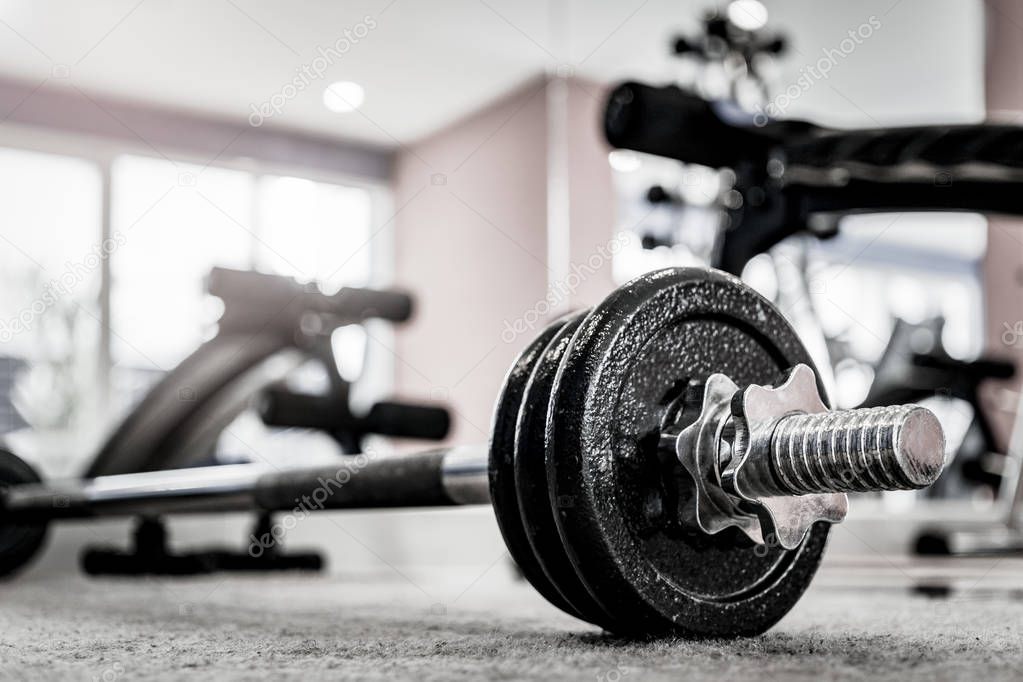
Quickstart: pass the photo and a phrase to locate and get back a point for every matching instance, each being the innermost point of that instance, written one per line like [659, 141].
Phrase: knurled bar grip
[362, 482]
[940, 146]
[440, 477]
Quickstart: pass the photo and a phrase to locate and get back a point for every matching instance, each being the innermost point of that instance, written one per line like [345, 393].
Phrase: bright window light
[178, 221]
[624, 161]
[51, 249]
[51, 258]
[314, 231]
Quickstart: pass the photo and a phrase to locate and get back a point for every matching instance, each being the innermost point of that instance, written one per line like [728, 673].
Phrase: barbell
[661, 464]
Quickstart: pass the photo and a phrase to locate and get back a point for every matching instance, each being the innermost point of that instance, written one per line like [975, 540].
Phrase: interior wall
[479, 188]
[592, 206]
[1003, 261]
[470, 220]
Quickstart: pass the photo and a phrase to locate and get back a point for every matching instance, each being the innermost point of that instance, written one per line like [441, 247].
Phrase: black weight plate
[534, 497]
[18, 543]
[620, 527]
[501, 469]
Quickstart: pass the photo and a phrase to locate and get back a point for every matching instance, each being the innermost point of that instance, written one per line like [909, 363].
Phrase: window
[170, 223]
[52, 255]
[175, 221]
[314, 231]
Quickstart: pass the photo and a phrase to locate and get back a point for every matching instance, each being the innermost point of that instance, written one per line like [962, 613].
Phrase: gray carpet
[376, 627]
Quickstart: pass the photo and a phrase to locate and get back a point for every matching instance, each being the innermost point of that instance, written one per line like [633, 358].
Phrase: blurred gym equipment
[270, 326]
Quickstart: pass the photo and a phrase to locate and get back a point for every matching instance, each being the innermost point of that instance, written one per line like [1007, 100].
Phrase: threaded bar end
[900, 447]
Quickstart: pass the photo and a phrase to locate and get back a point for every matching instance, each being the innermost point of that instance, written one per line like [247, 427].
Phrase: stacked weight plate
[586, 497]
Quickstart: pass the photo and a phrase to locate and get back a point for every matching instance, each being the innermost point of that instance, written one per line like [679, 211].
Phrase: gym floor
[856, 622]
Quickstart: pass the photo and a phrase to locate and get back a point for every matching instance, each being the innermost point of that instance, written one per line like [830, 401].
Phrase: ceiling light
[748, 15]
[343, 96]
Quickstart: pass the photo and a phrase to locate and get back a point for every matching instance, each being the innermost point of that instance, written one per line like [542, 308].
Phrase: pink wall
[1003, 262]
[471, 242]
[591, 192]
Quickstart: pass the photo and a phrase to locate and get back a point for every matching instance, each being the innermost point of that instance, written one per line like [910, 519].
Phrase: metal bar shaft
[445, 477]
